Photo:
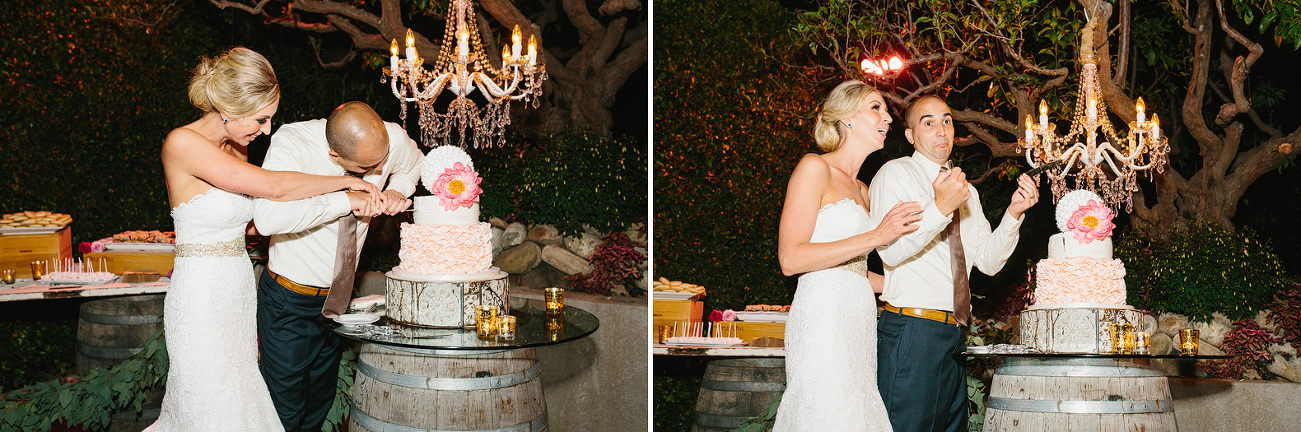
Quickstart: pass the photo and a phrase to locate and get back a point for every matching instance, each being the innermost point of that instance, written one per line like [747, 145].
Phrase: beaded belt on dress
[220, 249]
[857, 265]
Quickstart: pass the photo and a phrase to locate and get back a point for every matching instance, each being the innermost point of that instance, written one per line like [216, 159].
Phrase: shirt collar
[926, 164]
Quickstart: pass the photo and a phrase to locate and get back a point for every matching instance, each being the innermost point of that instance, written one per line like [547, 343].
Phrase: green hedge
[1201, 271]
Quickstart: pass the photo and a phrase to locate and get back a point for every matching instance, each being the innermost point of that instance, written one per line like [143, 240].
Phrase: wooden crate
[18, 251]
[122, 261]
[678, 310]
[747, 331]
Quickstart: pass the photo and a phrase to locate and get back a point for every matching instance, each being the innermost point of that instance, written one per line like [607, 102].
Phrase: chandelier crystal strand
[461, 68]
[1103, 163]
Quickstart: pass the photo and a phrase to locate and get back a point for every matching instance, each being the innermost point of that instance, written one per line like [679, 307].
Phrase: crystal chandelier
[1107, 168]
[461, 68]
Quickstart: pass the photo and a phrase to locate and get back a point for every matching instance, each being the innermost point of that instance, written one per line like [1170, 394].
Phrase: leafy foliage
[1248, 343]
[725, 142]
[341, 408]
[765, 422]
[1286, 315]
[616, 261]
[1201, 271]
[567, 180]
[88, 401]
[36, 344]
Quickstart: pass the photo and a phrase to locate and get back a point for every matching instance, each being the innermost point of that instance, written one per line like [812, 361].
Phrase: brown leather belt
[930, 314]
[297, 287]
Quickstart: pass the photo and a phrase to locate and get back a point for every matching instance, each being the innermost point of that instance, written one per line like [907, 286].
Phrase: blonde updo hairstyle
[237, 83]
[845, 101]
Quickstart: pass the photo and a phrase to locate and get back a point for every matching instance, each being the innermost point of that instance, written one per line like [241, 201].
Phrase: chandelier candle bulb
[1029, 129]
[505, 57]
[1139, 107]
[393, 55]
[1093, 111]
[533, 51]
[1156, 127]
[1043, 113]
[411, 47]
[515, 40]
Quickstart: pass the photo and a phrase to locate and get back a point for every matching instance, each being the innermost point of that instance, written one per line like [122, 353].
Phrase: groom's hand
[363, 205]
[394, 202]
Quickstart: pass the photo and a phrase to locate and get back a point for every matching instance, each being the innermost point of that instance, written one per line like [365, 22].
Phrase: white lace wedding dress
[831, 340]
[210, 321]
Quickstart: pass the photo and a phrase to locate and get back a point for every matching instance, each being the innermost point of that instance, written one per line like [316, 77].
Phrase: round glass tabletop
[1101, 356]
[533, 329]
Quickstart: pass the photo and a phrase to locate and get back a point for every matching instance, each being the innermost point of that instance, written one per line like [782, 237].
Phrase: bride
[825, 233]
[209, 317]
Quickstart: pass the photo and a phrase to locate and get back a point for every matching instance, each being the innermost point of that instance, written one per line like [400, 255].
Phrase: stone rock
[542, 276]
[1286, 349]
[1263, 322]
[545, 235]
[513, 235]
[1170, 324]
[643, 281]
[635, 233]
[565, 261]
[1206, 348]
[1149, 324]
[519, 259]
[1214, 331]
[497, 223]
[1288, 369]
[618, 290]
[592, 230]
[1250, 375]
[1161, 344]
[497, 234]
[583, 245]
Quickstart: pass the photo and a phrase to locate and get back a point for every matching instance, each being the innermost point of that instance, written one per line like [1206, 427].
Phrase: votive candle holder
[9, 276]
[506, 328]
[1142, 343]
[485, 322]
[1188, 341]
[555, 299]
[40, 269]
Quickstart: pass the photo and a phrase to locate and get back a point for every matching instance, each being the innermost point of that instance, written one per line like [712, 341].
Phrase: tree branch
[1241, 68]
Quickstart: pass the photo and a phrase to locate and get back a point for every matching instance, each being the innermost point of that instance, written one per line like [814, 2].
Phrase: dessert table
[447, 379]
[27, 289]
[1103, 392]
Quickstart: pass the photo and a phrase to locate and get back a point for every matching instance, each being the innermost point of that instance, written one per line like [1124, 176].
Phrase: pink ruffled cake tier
[445, 249]
[1080, 280]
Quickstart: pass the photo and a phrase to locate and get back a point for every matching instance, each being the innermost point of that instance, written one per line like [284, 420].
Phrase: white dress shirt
[918, 268]
[304, 233]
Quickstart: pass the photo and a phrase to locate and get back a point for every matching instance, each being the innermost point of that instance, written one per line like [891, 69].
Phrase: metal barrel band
[743, 386]
[92, 317]
[450, 384]
[106, 352]
[373, 424]
[719, 421]
[1081, 407]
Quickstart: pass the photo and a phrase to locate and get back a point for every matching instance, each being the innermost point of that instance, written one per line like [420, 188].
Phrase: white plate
[705, 344]
[128, 246]
[762, 316]
[356, 319]
[673, 295]
[29, 230]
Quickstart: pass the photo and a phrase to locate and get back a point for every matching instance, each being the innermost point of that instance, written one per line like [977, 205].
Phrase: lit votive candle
[9, 276]
[555, 298]
[506, 328]
[485, 322]
[1188, 339]
[1142, 343]
[39, 269]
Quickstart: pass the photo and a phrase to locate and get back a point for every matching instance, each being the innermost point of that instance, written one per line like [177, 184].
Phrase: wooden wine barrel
[1094, 394]
[114, 328]
[736, 390]
[447, 391]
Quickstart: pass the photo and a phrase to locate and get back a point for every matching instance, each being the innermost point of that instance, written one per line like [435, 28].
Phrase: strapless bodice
[214, 216]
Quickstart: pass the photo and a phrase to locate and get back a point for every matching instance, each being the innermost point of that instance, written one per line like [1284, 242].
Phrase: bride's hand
[900, 220]
[359, 185]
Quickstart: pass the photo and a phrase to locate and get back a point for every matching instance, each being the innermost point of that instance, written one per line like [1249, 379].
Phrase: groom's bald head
[357, 137]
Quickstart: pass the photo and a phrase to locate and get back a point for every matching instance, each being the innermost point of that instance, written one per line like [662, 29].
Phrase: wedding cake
[1079, 288]
[445, 253]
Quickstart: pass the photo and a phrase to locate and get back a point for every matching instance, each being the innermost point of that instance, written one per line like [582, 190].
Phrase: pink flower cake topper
[1091, 221]
[457, 186]
[449, 174]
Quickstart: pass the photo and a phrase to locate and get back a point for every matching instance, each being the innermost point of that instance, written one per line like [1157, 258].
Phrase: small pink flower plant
[1091, 222]
[457, 186]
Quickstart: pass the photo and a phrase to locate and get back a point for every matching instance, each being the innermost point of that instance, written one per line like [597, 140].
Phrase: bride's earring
[224, 121]
[848, 125]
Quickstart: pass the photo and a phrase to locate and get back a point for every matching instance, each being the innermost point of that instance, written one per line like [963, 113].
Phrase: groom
[299, 354]
[920, 334]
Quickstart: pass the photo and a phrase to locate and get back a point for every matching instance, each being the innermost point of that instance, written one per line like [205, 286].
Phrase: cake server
[1044, 167]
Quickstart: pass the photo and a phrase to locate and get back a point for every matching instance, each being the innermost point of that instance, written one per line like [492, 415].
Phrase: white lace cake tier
[491, 273]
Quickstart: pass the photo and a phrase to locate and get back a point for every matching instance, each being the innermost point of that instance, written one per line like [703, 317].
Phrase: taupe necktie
[345, 269]
[961, 288]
